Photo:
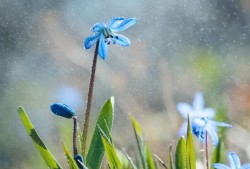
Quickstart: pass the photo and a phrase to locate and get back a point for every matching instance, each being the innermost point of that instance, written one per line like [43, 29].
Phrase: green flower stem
[89, 101]
[206, 144]
[74, 135]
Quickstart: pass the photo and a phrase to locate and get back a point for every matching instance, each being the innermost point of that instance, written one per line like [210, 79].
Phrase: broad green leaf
[40, 146]
[170, 158]
[113, 160]
[150, 159]
[191, 162]
[219, 153]
[71, 161]
[180, 154]
[140, 143]
[96, 149]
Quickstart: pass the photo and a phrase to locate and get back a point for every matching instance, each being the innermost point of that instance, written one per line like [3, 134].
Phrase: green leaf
[40, 146]
[140, 143]
[130, 160]
[219, 153]
[112, 156]
[96, 149]
[150, 159]
[161, 162]
[180, 154]
[170, 158]
[191, 162]
[71, 161]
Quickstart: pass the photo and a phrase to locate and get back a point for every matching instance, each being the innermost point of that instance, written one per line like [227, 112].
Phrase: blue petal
[245, 166]
[96, 28]
[221, 124]
[234, 160]
[124, 25]
[120, 40]
[185, 109]
[114, 22]
[212, 133]
[208, 112]
[220, 166]
[183, 129]
[103, 47]
[91, 40]
[62, 110]
[198, 103]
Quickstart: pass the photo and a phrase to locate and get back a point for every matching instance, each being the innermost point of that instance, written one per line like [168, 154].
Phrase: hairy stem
[74, 135]
[89, 101]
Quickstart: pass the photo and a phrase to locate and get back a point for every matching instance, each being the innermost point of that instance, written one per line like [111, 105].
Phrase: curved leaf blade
[219, 154]
[71, 161]
[191, 161]
[40, 146]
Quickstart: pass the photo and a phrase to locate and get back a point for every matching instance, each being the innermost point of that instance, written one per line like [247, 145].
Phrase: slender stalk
[89, 101]
[74, 135]
[206, 149]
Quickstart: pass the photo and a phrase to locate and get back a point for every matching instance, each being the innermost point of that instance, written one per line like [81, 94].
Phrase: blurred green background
[178, 47]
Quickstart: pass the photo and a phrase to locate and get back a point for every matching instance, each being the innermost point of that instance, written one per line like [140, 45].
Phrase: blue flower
[62, 110]
[201, 125]
[200, 119]
[106, 34]
[234, 163]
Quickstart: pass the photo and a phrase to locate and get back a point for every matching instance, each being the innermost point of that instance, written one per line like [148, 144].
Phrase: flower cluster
[200, 119]
[106, 34]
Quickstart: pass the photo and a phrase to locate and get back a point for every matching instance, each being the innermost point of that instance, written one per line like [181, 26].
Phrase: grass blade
[140, 143]
[170, 161]
[219, 154]
[71, 161]
[191, 162]
[150, 159]
[112, 156]
[40, 146]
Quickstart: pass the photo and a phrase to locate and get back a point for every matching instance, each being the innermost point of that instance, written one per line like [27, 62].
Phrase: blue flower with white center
[201, 125]
[234, 163]
[106, 34]
[200, 119]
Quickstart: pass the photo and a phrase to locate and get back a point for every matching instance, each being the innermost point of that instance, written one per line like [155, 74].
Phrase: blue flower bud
[79, 161]
[62, 110]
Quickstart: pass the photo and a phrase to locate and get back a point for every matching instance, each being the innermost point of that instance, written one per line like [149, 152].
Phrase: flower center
[199, 127]
[107, 32]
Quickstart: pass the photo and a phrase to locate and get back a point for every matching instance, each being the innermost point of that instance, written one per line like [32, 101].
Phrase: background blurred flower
[200, 118]
[196, 110]
[234, 163]
[202, 125]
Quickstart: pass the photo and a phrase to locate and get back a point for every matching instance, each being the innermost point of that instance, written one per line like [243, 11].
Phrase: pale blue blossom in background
[106, 34]
[200, 119]
[234, 163]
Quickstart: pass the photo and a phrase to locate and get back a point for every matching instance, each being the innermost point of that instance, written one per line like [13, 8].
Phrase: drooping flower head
[234, 163]
[62, 110]
[107, 34]
[200, 119]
